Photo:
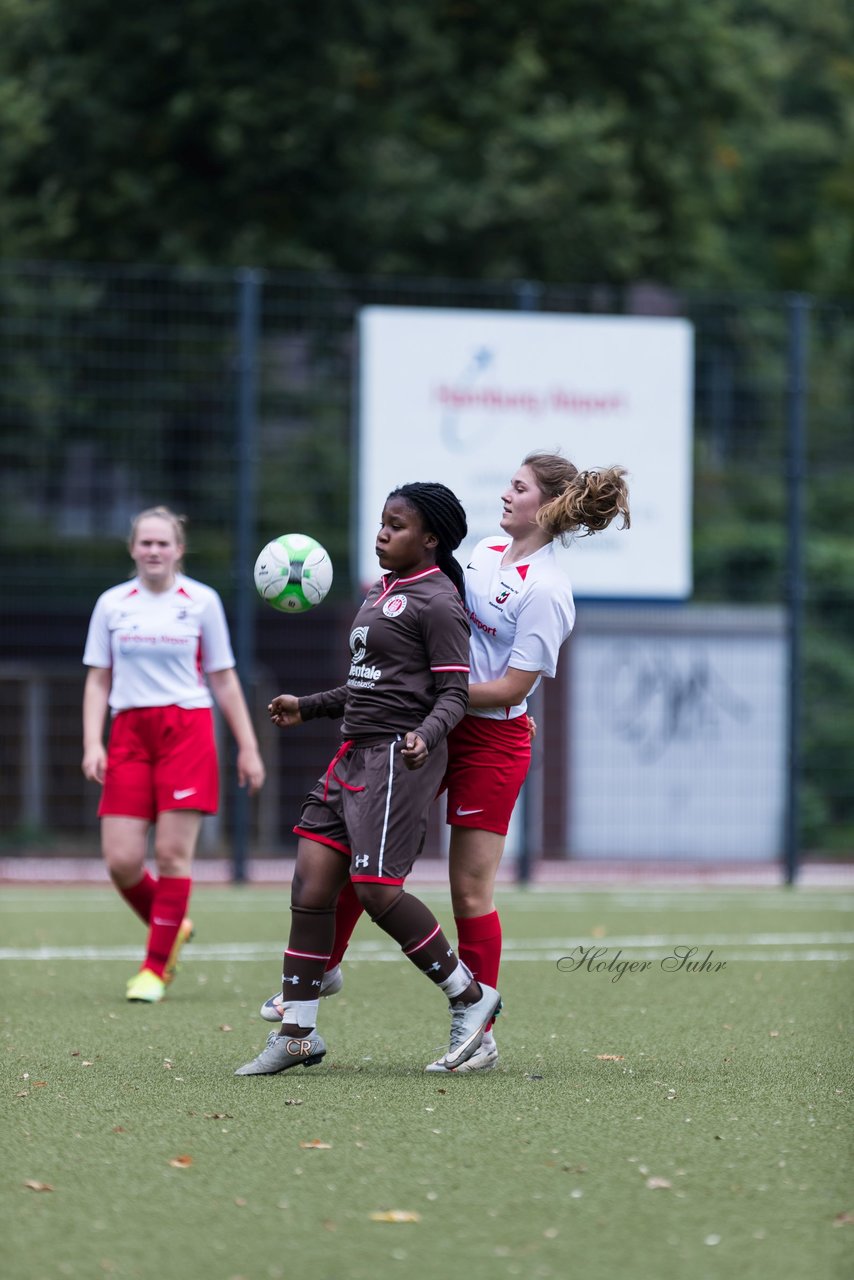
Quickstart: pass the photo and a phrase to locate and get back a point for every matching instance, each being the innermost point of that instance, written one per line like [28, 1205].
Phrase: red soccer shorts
[488, 761]
[160, 758]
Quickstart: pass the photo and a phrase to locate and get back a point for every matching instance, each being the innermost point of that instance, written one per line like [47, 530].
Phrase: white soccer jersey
[519, 616]
[159, 644]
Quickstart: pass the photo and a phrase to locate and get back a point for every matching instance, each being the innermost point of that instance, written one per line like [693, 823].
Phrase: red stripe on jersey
[449, 668]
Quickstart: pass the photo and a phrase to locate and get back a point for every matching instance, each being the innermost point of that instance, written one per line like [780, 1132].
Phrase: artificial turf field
[662, 1123]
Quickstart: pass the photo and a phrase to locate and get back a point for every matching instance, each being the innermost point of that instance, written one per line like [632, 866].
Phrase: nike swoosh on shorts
[182, 795]
[466, 813]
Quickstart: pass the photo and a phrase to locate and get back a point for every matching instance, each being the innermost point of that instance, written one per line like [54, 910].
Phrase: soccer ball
[293, 573]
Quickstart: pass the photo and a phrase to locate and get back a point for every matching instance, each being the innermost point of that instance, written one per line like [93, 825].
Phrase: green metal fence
[230, 396]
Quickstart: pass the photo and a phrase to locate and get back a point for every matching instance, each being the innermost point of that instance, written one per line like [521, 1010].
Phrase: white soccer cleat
[468, 1027]
[282, 1052]
[484, 1060]
[273, 1010]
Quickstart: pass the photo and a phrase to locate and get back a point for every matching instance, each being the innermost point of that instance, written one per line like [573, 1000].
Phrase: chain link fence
[230, 396]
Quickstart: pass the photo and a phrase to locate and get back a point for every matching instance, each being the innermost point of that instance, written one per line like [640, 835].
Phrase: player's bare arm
[225, 687]
[508, 691]
[96, 693]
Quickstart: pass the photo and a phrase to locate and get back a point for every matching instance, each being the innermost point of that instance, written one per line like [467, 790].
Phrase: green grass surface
[663, 1124]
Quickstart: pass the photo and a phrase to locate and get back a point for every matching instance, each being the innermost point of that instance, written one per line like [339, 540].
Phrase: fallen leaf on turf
[329, 1225]
[225, 1027]
[598, 931]
[75, 1053]
[658, 1184]
[843, 1219]
[315, 1144]
[610, 1057]
[181, 1162]
[87, 1063]
[773, 1034]
[37, 1186]
[293, 1102]
[218, 1115]
[240, 1202]
[39, 1084]
[25, 1093]
[396, 1215]
[119, 1129]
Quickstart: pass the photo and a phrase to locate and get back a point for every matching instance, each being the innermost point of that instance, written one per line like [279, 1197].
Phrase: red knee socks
[479, 945]
[141, 896]
[346, 914]
[171, 897]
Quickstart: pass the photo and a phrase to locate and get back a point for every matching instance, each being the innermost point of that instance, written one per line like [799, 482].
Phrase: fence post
[528, 298]
[798, 306]
[248, 321]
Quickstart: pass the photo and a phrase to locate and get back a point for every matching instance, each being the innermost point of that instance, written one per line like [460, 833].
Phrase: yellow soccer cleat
[146, 988]
[185, 933]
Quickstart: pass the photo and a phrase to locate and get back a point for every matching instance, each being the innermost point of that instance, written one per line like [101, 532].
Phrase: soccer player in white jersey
[520, 609]
[158, 653]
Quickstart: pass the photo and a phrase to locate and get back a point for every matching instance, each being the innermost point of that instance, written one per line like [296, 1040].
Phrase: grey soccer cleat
[283, 1052]
[468, 1027]
[273, 1009]
[484, 1060]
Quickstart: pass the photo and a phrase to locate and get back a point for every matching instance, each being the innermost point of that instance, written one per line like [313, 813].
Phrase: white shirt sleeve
[217, 654]
[543, 623]
[98, 652]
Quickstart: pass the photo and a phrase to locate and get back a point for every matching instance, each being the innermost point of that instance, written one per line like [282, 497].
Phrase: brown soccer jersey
[409, 648]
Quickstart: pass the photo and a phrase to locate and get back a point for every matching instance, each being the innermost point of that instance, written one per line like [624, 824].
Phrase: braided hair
[443, 515]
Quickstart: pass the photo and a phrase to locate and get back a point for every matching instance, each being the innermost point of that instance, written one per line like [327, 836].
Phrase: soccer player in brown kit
[366, 817]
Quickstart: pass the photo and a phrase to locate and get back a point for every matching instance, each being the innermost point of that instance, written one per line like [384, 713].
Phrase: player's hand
[250, 769]
[532, 728]
[94, 765]
[284, 711]
[414, 751]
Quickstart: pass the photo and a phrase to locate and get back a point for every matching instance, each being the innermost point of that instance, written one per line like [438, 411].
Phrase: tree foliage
[574, 140]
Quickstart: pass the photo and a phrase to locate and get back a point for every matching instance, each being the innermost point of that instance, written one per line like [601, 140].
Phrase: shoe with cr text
[282, 1052]
[185, 933]
[272, 1010]
[484, 1060]
[469, 1023]
[146, 987]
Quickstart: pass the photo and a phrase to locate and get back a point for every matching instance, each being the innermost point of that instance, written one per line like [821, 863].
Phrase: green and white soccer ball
[293, 573]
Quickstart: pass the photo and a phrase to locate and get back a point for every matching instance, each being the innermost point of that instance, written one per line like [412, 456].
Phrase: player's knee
[470, 893]
[309, 893]
[377, 898]
[172, 858]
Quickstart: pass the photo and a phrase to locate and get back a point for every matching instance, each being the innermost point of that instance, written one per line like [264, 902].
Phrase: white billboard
[461, 396]
[681, 720]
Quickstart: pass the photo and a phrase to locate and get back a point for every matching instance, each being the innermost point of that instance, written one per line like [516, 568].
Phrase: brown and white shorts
[373, 809]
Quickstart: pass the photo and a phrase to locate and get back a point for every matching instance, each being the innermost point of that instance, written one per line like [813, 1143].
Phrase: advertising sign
[461, 396]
